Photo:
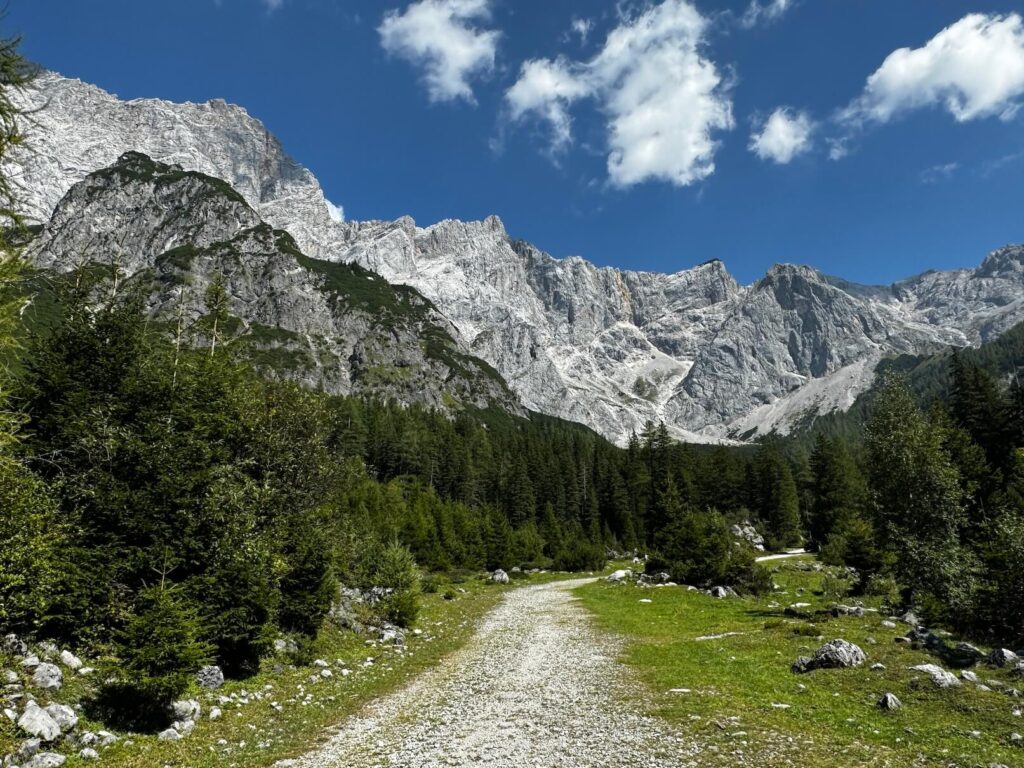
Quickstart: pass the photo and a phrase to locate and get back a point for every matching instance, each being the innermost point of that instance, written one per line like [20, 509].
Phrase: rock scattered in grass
[837, 654]
[939, 676]
[889, 702]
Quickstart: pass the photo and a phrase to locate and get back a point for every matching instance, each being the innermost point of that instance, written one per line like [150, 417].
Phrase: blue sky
[641, 135]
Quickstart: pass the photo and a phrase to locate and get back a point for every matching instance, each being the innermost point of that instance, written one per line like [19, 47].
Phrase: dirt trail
[537, 687]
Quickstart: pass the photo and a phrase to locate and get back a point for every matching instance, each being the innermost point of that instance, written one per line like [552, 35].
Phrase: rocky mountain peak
[1007, 261]
[608, 347]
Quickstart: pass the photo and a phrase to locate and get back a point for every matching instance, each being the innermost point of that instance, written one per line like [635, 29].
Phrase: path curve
[536, 687]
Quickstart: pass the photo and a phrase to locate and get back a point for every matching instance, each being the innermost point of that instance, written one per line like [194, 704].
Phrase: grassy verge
[258, 733]
[737, 695]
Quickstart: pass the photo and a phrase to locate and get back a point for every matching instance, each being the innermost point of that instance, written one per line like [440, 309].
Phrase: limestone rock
[48, 677]
[837, 654]
[211, 678]
[889, 702]
[36, 721]
[939, 676]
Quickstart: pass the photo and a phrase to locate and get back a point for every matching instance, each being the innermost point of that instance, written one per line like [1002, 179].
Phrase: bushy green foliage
[33, 539]
[159, 651]
[393, 568]
[698, 548]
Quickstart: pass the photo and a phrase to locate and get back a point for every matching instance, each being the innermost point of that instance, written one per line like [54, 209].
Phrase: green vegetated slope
[736, 694]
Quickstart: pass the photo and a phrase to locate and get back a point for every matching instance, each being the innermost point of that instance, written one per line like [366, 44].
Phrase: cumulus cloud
[444, 39]
[547, 88]
[763, 12]
[783, 136]
[336, 212]
[973, 69]
[273, 5]
[663, 99]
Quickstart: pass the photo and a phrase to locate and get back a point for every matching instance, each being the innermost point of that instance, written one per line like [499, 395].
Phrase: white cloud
[973, 68]
[783, 136]
[336, 212]
[663, 99]
[762, 12]
[581, 29]
[443, 38]
[938, 173]
[547, 88]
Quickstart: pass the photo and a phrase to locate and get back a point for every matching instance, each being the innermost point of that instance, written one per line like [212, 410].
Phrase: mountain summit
[610, 348]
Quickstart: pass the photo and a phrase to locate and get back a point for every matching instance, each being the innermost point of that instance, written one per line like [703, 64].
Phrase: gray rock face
[837, 654]
[323, 324]
[606, 347]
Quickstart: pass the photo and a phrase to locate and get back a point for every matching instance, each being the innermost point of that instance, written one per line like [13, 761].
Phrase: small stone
[499, 577]
[211, 678]
[14, 646]
[939, 676]
[46, 760]
[215, 713]
[89, 754]
[889, 624]
[63, 715]
[48, 677]
[186, 709]
[169, 735]
[878, 667]
[1001, 657]
[889, 702]
[69, 660]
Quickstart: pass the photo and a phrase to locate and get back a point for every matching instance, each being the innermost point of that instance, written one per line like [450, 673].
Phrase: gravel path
[536, 687]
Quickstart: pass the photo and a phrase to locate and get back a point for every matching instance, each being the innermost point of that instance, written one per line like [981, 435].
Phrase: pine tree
[918, 498]
[159, 651]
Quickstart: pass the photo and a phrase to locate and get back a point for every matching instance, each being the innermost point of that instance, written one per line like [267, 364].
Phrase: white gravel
[536, 687]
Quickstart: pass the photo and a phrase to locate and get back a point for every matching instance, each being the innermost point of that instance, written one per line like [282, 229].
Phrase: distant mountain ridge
[609, 348]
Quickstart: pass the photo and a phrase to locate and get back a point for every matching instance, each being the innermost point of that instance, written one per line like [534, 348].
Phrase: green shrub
[580, 555]
[395, 569]
[159, 652]
[698, 548]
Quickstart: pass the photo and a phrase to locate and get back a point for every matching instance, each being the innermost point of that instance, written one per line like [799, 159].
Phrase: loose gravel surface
[537, 687]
